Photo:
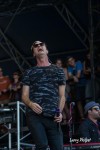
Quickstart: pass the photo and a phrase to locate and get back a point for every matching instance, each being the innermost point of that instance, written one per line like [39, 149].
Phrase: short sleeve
[79, 66]
[26, 78]
[61, 77]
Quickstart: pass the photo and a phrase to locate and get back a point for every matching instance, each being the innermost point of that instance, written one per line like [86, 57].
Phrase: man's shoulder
[78, 63]
[87, 121]
[53, 66]
[29, 70]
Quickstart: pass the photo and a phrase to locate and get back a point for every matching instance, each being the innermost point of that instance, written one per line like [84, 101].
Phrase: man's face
[15, 76]
[95, 112]
[71, 62]
[88, 56]
[39, 49]
[59, 63]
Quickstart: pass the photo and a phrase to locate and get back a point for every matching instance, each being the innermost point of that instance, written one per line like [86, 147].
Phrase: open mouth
[40, 50]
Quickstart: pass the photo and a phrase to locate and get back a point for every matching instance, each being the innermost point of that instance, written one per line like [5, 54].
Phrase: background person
[65, 112]
[90, 127]
[4, 88]
[15, 88]
[76, 82]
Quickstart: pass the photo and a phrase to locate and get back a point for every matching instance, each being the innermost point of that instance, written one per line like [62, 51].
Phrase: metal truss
[13, 8]
[73, 24]
[13, 52]
[8, 7]
[96, 12]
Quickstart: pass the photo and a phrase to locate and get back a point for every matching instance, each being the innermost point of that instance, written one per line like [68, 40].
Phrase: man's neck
[94, 120]
[15, 80]
[43, 62]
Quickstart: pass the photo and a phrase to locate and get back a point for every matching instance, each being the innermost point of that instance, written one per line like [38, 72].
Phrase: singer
[43, 92]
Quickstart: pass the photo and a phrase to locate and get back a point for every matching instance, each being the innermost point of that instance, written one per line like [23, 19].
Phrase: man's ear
[47, 51]
[33, 55]
[89, 111]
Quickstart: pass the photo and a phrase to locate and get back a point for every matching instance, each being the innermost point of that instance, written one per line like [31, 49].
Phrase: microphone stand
[70, 124]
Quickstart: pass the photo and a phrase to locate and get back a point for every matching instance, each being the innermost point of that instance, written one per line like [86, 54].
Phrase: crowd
[79, 89]
[79, 85]
[10, 88]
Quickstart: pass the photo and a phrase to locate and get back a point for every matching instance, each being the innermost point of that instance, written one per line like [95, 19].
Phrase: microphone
[57, 112]
[72, 103]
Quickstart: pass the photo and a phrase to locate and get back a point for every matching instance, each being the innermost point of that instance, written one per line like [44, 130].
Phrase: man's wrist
[30, 104]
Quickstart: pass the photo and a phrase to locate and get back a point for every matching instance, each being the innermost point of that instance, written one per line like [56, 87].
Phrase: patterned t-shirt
[44, 86]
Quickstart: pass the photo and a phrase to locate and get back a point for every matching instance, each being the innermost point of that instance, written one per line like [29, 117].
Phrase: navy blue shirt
[44, 86]
[90, 130]
[74, 70]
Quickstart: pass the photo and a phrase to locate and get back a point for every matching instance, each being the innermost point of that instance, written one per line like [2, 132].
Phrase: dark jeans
[45, 132]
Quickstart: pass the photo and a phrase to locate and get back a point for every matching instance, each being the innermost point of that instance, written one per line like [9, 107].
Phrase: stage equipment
[6, 115]
[13, 113]
[77, 146]
[83, 146]
[72, 104]
[20, 110]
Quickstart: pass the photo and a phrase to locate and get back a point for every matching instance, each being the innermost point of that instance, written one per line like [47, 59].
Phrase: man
[77, 83]
[65, 112]
[43, 92]
[4, 88]
[90, 127]
[16, 87]
[4, 96]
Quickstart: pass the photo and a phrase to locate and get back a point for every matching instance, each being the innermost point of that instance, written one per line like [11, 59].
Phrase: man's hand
[36, 108]
[75, 79]
[59, 118]
[4, 90]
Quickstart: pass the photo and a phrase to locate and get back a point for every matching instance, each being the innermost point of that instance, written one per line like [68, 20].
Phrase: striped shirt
[44, 85]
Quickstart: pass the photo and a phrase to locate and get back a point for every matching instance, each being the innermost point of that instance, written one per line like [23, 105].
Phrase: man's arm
[71, 76]
[78, 75]
[25, 97]
[61, 97]
[61, 102]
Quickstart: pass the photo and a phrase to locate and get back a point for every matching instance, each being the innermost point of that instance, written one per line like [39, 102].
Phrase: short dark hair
[69, 58]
